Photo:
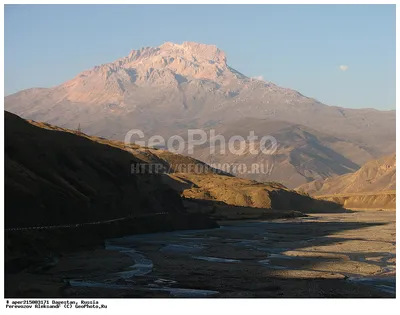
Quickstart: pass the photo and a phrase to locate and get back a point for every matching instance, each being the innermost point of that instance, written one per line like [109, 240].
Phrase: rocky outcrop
[225, 197]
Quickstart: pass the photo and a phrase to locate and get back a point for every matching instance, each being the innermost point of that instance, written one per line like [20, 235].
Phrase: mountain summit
[188, 82]
[167, 65]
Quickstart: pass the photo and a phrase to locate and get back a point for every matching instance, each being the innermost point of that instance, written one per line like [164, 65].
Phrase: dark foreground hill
[189, 177]
[56, 178]
[59, 177]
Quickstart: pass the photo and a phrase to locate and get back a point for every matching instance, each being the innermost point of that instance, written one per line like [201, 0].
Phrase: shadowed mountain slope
[56, 176]
[303, 154]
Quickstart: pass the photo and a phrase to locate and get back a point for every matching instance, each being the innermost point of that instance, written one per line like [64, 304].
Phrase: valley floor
[322, 255]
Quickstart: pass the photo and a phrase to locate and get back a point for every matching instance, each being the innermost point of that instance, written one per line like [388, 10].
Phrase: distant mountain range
[302, 154]
[168, 89]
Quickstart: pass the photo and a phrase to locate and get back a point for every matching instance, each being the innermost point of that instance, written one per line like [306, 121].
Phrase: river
[322, 255]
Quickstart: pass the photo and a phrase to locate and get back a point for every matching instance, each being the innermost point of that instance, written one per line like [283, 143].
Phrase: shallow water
[141, 266]
[216, 259]
[181, 248]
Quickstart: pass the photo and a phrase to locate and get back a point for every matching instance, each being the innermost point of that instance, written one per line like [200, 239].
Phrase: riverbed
[291, 257]
[322, 255]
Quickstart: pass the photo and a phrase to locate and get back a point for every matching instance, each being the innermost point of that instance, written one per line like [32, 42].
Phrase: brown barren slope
[372, 186]
[64, 176]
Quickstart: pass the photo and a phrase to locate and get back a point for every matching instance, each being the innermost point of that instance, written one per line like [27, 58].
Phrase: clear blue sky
[296, 46]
